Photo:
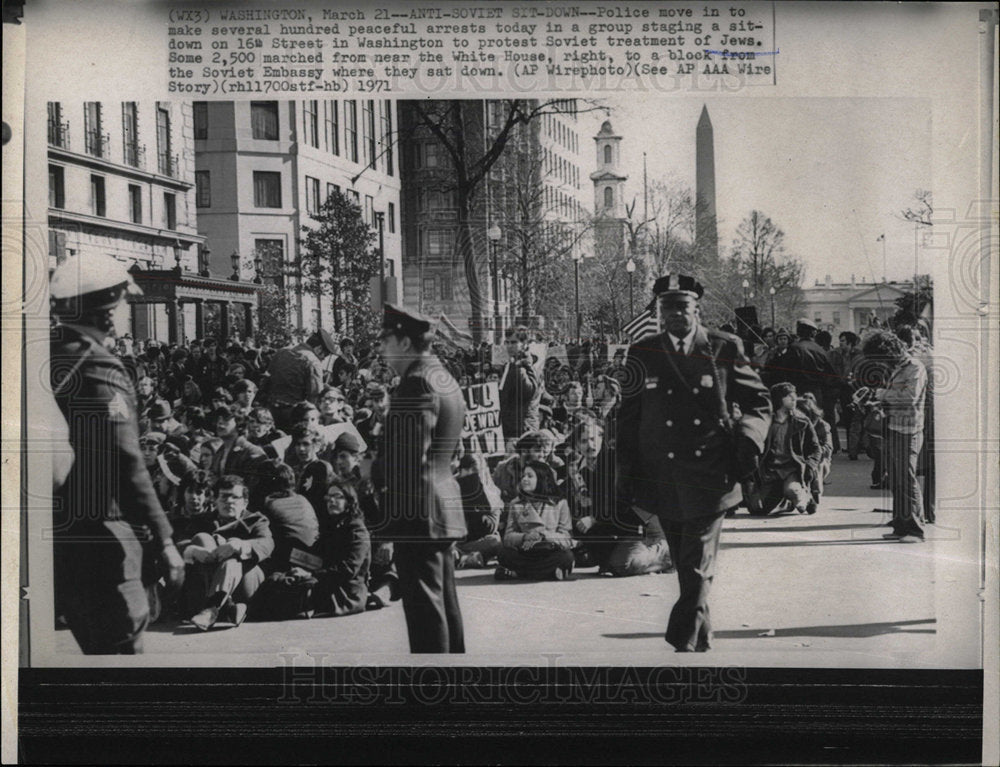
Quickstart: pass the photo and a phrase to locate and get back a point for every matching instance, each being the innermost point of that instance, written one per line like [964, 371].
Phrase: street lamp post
[630, 268]
[235, 259]
[494, 234]
[746, 291]
[380, 217]
[576, 282]
[771, 291]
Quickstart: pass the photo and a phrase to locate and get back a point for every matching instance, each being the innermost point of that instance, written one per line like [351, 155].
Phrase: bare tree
[923, 213]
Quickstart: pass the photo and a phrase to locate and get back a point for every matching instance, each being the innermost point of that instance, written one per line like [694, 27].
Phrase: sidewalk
[791, 590]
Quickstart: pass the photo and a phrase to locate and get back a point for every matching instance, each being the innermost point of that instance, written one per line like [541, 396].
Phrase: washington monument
[706, 236]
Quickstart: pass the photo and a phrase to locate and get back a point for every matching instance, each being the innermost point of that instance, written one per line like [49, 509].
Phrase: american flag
[645, 324]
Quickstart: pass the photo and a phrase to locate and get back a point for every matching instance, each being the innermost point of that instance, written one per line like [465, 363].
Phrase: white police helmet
[91, 281]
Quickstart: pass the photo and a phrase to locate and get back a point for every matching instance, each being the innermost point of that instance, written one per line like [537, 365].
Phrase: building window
[607, 154]
[836, 319]
[266, 189]
[57, 187]
[446, 290]
[58, 132]
[130, 133]
[98, 202]
[272, 261]
[203, 188]
[312, 196]
[332, 127]
[199, 110]
[609, 197]
[369, 210]
[386, 112]
[351, 129]
[169, 210]
[368, 131]
[439, 243]
[167, 163]
[430, 289]
[392, 218]
[355, 197]
[310, 122]
[93, 129]
[432, 156]
[264, 120]
[135, 203]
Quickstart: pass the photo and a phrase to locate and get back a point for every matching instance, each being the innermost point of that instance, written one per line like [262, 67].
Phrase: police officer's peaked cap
[97, 280]
[678, 284]
[805, 322]
[405, 322]
[324, 339]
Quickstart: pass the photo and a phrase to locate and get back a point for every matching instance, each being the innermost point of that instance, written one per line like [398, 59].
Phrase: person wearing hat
[680, 454]
[98, 558]
[806, 365]
[422, 510]
[296, 374]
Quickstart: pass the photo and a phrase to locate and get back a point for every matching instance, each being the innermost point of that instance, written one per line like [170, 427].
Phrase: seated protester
[483, 506]
[234, 454]
[244, 392]
[572, 401]
[791, 456]
[344, 554]
[607, 397]
[507, 475]
[331, 406]
[292, 518]
[161, 419]
[194, 513]
[621, 540]
[549, 442]
[262, 433]
[190, 394]
[199, 425]
[313, 475]
[224, 569]
[172, 465]
[536, 543]
[811, 410]
[235, 373]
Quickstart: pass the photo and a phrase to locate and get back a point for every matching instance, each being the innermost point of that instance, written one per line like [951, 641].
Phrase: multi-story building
[263, 168]
[850, 306]
[534, 188]
[121, 183]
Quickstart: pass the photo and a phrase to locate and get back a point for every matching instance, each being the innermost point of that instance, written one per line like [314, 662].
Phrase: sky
[833, 173]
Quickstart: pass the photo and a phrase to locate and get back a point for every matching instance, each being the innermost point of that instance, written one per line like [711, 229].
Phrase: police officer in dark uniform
[681, 453]
[423, 510]
[108, 493]
[296, 375]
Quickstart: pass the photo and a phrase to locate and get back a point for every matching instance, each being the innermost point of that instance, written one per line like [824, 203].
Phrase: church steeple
[609, 183]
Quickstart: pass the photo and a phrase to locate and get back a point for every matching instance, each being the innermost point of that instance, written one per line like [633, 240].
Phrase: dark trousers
[99, 588]
[430, 603]
[694, 546]
[902, 451]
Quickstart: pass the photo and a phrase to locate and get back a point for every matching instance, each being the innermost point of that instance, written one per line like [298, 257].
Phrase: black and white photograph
[675, 385]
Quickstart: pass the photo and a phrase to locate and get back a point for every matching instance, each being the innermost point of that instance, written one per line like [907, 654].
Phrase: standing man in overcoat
[296, 375]
[108, 494]
[682, 446]
[423, 502]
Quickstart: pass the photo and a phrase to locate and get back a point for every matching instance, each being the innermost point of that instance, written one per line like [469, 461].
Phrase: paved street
[792, 590]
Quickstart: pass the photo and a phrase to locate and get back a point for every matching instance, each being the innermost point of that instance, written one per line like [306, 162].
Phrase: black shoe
[503, 574]
[811, 507]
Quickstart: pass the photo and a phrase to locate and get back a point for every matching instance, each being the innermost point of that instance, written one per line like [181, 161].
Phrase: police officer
[98, 557]
[423, 503]
[680, 452]
[295, 375]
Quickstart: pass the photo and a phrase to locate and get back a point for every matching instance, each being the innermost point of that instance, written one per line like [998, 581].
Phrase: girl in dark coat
[344, 547]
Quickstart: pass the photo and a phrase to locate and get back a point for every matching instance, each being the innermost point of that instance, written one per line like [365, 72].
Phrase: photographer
[520, 388]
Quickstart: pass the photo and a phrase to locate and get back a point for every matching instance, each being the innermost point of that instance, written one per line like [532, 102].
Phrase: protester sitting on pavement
[903, 402]
[234, 454]
[483, 506]
[810, 409]
[195, 511]
[261, 432]
[244, 392]
[791, 457]
[146, 395]
[313, 475]
[331, 406]
[536, 543]
[344, 550]
[224, 565]
[293, 520]
[507, 475]
[621, 540]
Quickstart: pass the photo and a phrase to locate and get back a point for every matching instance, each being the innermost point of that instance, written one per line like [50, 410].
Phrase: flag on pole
[447, 331]
[645, 324]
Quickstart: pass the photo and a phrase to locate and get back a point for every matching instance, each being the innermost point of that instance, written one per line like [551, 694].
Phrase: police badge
[706, 382]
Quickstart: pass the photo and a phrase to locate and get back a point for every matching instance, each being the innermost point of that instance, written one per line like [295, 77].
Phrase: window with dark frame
[312, 196]
[264, 120]
[57, 187]
[372, 138]
[93, 129]
[199, 113]
[203, 188]
[98, 201]
[333, 126]
[430, 288]
[351, 129]
[169, 210]
[166, 162]
[446, 288]
[57, 131]
[330, 189]
[130, 133]
[271, 253]
[266, 189]
[387, 148]
[391, 216]
[310, 122]
[135, 203]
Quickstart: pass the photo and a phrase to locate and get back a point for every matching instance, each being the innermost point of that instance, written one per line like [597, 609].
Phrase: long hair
[546, 486]
[353, 508]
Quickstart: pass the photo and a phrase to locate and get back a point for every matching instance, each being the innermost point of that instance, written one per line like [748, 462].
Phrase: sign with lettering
[483, 432]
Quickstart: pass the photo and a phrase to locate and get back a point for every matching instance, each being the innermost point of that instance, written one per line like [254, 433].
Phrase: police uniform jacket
[675, 453]
[108, 480]
[423, 427]
[294, 375]
[808, 367]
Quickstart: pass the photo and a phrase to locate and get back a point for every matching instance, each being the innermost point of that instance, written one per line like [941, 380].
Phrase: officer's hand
[747, 456]
[173, 566]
